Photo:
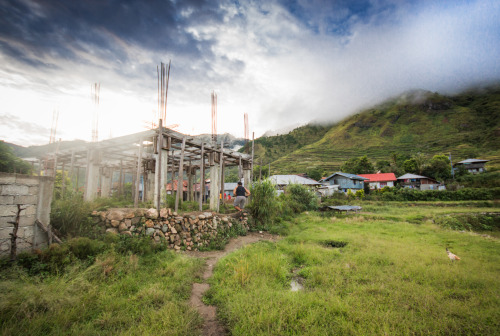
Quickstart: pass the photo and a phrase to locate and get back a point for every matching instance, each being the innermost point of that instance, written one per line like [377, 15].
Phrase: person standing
[241, 194]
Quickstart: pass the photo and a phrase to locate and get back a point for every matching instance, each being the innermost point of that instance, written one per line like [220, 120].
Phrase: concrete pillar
[150, 186]
[191, 174]
[92, 180]
[161, 176]
[45, 192]
[214, 186]
[246, 178]
[106, 182]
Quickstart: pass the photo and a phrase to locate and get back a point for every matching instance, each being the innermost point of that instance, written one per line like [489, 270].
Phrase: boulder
[164, 228]
[164, 213]
[151, 213]
[150, 231]
[116, 215]
[135, 220]
[128, 222]
[122, 227]
[112, 230]
[150, 223]
[207, 214]
[115, 223]
[129, 214]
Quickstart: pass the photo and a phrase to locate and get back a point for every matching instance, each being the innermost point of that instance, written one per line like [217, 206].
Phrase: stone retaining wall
[34, 194]
[189, 231]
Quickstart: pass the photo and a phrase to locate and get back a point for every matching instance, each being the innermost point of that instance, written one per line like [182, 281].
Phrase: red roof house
[380, 180]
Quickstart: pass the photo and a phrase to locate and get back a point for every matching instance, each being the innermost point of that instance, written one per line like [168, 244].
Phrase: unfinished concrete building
[154, 157]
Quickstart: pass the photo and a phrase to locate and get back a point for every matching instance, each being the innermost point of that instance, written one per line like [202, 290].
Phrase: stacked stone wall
[34, 194]
[187, 231]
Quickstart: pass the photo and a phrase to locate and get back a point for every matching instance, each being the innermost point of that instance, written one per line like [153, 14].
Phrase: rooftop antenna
[94, 96]
[214, 118]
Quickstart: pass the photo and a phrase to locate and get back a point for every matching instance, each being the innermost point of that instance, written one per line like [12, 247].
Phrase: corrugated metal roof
[380, 177]
[412, 176]
[473, 161]
[290, 179]
[350, 176]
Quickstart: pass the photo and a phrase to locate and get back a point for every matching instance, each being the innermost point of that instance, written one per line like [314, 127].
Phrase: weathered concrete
[34, 194]
[214, 187]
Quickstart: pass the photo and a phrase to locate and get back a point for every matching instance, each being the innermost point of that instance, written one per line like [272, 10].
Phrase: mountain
[466, 125]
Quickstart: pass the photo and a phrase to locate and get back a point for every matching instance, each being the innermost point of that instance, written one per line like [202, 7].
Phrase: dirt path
[211, 326]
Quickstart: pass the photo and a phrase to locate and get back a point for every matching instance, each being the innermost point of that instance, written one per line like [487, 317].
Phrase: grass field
[393, 277]
[380, 272]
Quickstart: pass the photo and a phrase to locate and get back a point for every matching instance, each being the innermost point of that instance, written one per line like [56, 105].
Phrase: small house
[473, 166]
[345, 181]
[281, 181]
[418, 182]
[380, 180]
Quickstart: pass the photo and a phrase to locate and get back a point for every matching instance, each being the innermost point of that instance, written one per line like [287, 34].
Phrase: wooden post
[179, 180]
[138, 176]
[221, 178]
[63, 182]
[120, 180]
[159, 144]
[202, 176]
[251, 163]
[72, 167]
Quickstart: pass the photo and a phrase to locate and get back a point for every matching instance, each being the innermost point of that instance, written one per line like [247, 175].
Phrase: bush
[263, 205]
[70, 217]
[299, 198]
[465, 194]
[84, 248]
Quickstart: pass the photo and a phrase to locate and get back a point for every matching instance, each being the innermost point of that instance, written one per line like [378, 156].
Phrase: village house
[380, 180]
[473, 166]
[345, 181]
[418, 182]
[282, 181]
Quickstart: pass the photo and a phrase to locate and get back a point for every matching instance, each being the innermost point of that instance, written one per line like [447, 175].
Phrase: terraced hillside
[467, 125]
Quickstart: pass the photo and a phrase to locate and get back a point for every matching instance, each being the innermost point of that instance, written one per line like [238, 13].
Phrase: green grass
[118, 294]
[392, 277]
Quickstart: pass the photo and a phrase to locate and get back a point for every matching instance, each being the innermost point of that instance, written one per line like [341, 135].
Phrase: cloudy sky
[282, 62]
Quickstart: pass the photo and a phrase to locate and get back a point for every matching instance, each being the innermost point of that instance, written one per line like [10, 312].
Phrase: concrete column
[106, 182]
[92, 181]
[45, 192]
[191, 175]
[246, 178]
[150, 186]
[164, 174]
[214, 186]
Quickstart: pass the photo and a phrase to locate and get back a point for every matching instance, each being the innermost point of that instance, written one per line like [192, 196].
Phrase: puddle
[295, 286]
[334, 243]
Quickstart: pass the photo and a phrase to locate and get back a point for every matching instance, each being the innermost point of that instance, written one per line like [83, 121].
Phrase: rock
[174, 213]
[115, 223]
[127, 233]
[132, 228]
[150, 223]
[157, 227]
[201, 217]
[157, 239]
[115, 215]
[102, 214]
[177, 248]
[161, 234]
[207, 214]
[150, 231]
[112, 230]
[164, 228]
[173, 230]
[151, 213]
[164, 213]
[135, 220]
[128, 222]
[225, 219]
[122, 227]
[95, 213]
[129, 215]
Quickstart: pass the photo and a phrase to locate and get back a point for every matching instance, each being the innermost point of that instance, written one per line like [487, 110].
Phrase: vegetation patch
[334, 243]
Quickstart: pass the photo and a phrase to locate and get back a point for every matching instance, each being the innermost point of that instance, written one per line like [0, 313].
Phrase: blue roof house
[345, 181]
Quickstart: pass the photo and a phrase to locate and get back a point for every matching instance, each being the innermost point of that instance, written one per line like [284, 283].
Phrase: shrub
[70, 217]
[84, 248]
[300, 198]
[263, 205]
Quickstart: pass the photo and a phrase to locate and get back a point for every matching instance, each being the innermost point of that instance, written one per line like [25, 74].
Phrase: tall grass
[392, 277]
[118, 294]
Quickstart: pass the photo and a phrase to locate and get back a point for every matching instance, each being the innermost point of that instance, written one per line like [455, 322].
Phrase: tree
[439, 168]
[384, 166]
[315, 173]
[9, 163]
[410, 166]
[360, 165]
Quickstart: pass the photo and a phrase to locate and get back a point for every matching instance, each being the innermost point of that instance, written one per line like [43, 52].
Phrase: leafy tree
[410, 166]
[360, 165]
[439, 168]
[420, 162]
[9, 163]
[315, 173]
[384, 166]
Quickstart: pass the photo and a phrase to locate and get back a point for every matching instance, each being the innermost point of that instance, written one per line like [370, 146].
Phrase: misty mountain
[465, 125]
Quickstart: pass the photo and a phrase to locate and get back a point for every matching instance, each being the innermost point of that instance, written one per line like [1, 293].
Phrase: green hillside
[467, 125]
